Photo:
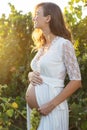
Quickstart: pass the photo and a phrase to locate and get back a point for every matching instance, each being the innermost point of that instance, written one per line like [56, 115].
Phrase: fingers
[37, 79]
[42, 112]
[36, 73]
[34, 84]
[34, 78]
[45, 109]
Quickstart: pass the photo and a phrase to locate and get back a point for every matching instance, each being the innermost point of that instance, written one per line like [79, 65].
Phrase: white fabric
[53, 66]
[28, 117]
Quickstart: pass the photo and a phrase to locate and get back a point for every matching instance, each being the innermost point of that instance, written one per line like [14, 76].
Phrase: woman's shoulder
[62, 41]
[61, 44]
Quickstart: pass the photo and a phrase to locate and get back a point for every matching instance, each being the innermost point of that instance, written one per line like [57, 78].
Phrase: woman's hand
[45, 109]
[34, 78]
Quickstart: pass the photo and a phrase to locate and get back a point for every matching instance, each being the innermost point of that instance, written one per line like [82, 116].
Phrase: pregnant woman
[54, 59]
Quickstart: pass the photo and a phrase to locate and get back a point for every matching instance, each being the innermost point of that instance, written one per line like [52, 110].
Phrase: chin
[36, 27]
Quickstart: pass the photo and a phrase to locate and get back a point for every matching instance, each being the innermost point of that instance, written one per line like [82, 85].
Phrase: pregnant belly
[31, 97]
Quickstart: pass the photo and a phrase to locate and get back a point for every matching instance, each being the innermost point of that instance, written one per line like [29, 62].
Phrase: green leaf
[10, 112]
[84, 125]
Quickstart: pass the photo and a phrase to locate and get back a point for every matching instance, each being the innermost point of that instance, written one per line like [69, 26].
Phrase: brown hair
[57, 24]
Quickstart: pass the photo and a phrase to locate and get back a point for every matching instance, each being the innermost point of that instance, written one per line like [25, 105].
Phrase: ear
[48, 18]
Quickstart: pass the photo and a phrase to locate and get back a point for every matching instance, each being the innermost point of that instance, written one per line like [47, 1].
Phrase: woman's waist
[54, 82]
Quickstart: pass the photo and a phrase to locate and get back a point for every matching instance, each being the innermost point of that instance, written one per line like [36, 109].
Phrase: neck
[48, 36]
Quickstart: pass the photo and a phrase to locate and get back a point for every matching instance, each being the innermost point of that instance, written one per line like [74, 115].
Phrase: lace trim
[70, 61]
[45, 49]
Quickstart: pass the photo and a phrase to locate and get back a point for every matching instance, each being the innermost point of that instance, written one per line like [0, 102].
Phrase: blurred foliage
[15, 42]
[15, 58]
[78, 26]
[73, 11]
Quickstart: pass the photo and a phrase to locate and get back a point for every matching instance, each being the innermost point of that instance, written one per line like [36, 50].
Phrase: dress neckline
[43, 53]
[46, 49]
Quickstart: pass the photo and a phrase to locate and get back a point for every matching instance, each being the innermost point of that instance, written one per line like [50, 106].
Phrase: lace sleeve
[70, 61]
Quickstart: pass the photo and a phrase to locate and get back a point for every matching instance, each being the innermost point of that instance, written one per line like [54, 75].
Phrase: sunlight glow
[26, 5]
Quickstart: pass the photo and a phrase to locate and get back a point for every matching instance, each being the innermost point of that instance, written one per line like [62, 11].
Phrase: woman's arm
[73, 71]
[70, 88]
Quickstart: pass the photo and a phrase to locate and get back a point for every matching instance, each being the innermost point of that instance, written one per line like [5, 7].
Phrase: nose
[34, 18]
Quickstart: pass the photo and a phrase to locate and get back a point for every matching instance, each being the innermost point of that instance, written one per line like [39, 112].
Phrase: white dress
[53, 66]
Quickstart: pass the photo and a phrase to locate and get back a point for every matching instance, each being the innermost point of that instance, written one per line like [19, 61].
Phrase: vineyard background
[15, 57]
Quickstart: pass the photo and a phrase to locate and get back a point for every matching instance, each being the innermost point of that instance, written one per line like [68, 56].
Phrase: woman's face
[39, 19]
